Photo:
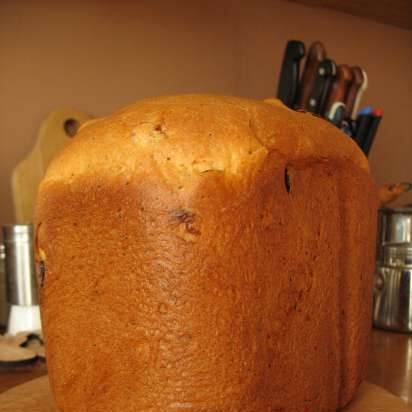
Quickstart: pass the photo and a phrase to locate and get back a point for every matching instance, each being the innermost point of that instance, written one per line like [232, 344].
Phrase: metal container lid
[407, 209]
[17, 233]
[397, 254]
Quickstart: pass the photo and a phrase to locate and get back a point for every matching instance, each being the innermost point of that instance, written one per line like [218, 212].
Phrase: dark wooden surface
[390, 363]
[16, 376]
[390, 366]
[394, 12]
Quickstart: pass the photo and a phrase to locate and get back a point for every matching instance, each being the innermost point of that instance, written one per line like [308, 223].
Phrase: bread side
[198, 255]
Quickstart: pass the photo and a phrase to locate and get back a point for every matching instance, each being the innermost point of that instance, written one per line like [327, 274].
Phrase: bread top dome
[183, 137]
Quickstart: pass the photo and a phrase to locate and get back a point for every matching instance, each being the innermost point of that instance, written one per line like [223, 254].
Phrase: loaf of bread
[203, 253]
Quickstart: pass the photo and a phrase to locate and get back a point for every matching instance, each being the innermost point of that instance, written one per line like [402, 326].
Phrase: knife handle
[324, 97]
[373, 128]
[353, 90]
[326, 70]
[339, 87]
[337, 113]
[360, 93]
[362, 126]
[316, 54]
[289, 75]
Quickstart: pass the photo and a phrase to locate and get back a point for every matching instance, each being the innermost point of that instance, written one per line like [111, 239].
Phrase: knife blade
[324, 74]
[353, 90]
[339, 87]
[316, 54]
[289, 74]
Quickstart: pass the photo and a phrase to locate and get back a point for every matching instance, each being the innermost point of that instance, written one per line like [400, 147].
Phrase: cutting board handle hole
[71, 126]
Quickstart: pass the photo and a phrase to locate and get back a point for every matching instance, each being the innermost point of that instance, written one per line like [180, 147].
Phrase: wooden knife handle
[353, 90]
[360, 93]
[316, 54]
[339, 86]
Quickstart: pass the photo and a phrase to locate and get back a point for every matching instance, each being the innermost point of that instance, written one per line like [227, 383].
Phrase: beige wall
[99, 55]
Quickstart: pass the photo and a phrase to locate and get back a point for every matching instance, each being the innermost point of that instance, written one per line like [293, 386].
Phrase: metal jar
[20, 266]
[392, 308]
[394, 226]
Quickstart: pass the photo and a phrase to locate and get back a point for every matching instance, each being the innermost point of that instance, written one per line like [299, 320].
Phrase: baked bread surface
[206, 253]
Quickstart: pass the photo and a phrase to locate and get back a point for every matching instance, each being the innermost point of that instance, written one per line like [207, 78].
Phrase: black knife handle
[370, 135]
[325, 71]
[324, 99]
[289, 74]
[363, 122]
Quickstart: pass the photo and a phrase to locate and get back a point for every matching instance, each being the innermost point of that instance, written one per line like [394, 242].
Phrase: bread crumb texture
[206, 253]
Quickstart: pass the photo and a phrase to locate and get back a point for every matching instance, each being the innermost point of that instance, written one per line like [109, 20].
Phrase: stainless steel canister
[20, 266]
[393, 288]
[395, 226]
[4, 310]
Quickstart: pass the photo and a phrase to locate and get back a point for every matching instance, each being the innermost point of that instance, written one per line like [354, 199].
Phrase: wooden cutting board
[54, 133]
[35, 396]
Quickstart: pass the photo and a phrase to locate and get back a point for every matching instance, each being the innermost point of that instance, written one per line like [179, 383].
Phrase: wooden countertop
[390, 366]
[390, 363]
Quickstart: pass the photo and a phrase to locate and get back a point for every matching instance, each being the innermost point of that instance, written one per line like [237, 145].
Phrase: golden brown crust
[185, 136]
[206, 253]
